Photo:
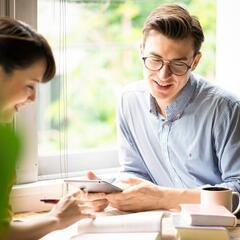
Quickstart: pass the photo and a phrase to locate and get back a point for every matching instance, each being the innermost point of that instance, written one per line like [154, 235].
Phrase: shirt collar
[176, 108]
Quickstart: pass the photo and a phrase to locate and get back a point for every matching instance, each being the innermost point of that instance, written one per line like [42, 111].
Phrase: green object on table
[9, 155]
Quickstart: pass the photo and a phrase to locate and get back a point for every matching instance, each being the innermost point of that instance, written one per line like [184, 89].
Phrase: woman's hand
[69, 210]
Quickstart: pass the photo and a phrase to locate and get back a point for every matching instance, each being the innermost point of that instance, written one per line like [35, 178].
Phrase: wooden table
[71, 233]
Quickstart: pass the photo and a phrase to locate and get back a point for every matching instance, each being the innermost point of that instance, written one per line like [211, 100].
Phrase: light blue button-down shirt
[198, 143]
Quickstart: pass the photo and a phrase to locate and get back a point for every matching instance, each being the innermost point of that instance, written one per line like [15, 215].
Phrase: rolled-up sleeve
[227, 143]
[129, 156]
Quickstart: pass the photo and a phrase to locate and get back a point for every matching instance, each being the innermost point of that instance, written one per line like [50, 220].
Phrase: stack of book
[192, 223]
[195, 222]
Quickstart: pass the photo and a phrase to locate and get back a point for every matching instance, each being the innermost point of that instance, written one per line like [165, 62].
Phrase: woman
[26, 60]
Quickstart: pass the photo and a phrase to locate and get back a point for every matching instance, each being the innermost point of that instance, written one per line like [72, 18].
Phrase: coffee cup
[219, 196]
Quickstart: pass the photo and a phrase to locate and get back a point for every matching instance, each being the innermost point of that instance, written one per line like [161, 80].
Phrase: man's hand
[143, 195]
[97, 200]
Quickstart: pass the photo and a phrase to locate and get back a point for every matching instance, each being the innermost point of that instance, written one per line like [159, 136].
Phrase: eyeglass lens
[176, 67]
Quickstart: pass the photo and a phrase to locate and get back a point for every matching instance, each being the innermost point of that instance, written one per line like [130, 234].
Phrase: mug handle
[238, 207]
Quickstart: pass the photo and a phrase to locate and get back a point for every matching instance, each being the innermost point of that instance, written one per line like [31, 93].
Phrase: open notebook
[115, 224]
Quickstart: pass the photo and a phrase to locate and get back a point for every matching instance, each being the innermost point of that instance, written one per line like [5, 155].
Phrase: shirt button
[165, 125]
[178, 115]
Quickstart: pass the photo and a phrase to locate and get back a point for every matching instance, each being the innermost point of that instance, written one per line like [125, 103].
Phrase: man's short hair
[174, 22]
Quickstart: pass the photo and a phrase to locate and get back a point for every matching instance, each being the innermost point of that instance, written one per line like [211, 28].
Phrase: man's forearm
[174, 197]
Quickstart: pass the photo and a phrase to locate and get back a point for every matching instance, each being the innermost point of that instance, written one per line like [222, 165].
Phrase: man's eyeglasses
[176, 67]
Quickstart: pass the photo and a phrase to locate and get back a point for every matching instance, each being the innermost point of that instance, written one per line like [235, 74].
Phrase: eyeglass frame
[168, 62]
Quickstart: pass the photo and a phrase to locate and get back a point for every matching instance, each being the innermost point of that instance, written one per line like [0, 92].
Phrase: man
[176, 131]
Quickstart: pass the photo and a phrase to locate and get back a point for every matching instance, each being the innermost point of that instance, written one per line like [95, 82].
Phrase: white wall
[228, 45]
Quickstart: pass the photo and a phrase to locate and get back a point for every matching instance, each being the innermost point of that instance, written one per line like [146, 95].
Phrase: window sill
[26, 197]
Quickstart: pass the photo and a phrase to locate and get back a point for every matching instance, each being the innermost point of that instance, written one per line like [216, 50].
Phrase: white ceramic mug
[219, 196]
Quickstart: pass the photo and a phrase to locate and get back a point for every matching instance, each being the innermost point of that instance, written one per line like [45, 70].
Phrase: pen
[52, 201]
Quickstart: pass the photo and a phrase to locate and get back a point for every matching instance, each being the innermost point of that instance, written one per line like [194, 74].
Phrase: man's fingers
[91, 175]
[100, 205]
[100, 202]
[95, 196]
[132, 181]
[123, 196]
[85, 208]
[88, 215]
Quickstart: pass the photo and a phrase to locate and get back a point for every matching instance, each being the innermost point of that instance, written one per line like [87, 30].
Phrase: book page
[149, 221]
[110, 211]
[118, 236]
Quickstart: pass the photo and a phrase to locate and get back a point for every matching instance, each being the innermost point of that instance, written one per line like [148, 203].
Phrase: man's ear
[196, 60]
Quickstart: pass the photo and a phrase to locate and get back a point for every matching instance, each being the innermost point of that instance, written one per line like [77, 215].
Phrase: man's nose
[164, 72]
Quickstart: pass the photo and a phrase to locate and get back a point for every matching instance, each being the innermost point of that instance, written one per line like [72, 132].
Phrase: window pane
[101, 54]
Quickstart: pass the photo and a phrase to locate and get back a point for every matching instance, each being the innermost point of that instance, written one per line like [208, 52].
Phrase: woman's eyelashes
[31, 87]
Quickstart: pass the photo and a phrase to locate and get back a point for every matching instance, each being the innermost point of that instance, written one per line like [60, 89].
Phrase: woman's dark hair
[174, 22]
[21, 46]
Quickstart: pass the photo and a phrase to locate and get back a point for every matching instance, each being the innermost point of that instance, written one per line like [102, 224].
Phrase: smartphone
[94, 186]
